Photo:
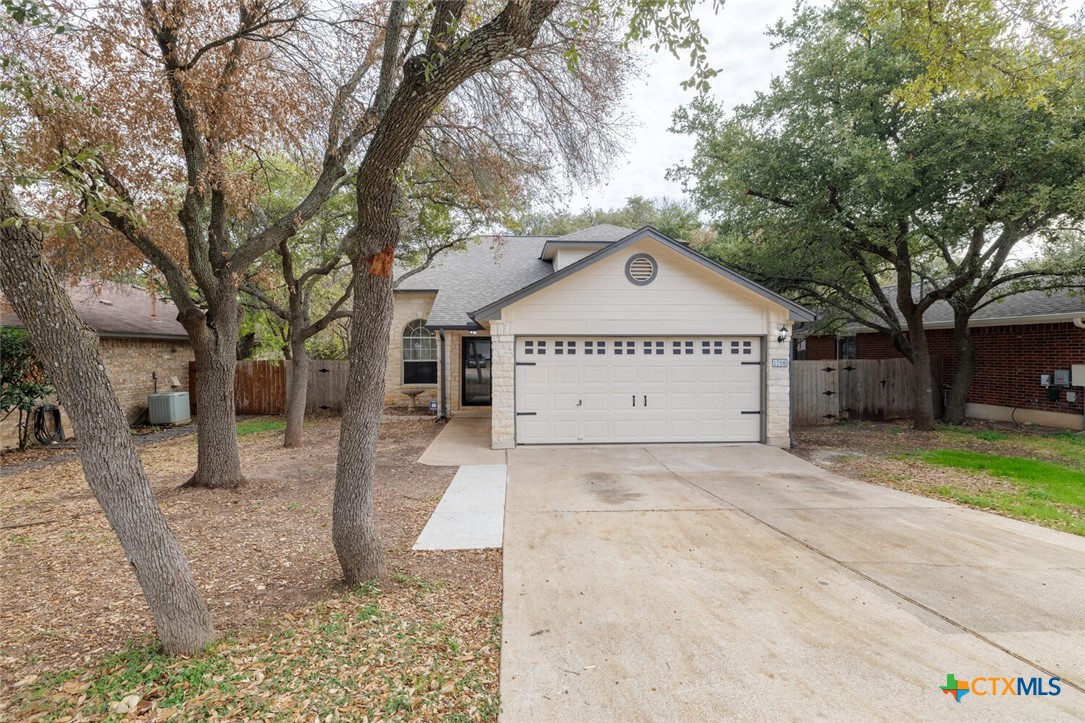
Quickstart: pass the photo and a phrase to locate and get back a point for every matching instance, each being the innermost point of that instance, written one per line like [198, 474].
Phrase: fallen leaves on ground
[261, 554]
[404, 653]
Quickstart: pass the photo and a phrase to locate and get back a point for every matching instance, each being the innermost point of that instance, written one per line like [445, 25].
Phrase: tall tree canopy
[166, 115]
[833, 188]
[677, 219]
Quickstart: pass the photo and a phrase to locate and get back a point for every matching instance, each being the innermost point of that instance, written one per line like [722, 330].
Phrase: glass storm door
[476, 371]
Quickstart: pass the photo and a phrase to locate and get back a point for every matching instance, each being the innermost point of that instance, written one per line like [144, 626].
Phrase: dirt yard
[261, 554]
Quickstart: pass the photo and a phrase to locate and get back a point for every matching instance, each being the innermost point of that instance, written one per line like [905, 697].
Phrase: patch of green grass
[1045, 492]
[1065, 446]
[255, 426]
[414, 581]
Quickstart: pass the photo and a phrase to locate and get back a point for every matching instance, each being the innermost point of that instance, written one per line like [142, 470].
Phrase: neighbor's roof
[484, 271]
[117, 310]
[1028, 307]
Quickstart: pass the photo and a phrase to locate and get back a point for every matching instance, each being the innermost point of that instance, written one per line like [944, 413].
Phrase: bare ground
[260, 554]
[878, 452]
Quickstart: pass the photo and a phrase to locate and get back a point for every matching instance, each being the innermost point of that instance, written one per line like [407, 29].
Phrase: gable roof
[493, 309]
[468, 278]
[117, 310]
[604, 232]
[1028, 307]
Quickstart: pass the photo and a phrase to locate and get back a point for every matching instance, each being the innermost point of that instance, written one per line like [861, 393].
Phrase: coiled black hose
[47, 426]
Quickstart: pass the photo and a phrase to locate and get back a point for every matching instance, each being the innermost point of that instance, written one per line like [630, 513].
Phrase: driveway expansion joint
[874, 581]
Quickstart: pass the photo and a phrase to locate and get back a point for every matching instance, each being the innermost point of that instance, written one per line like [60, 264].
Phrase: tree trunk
[214, 340]
[966, 367]
[298, 392]
[428, 79]
[923, 407]
[354, 530]
[110, 462]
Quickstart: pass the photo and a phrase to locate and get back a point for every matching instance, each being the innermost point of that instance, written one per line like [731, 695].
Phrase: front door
[475, 371]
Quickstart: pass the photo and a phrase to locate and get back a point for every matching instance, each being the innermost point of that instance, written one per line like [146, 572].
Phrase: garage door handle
[646, 400]
[634, 400]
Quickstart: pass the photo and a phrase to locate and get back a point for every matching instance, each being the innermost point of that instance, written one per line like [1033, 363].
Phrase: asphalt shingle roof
[1020, 308]
[488, 269]
[117, 310]
[492, 268]
[602, 232]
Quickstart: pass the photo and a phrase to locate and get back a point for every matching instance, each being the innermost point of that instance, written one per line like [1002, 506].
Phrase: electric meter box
[1062, 378]
[1077, 375]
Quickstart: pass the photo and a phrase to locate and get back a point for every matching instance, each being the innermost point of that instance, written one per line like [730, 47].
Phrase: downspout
[442, 412]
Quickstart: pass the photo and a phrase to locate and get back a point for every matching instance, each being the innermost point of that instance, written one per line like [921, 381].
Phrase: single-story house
[140, 339]
[605, 335]
[1020, 343]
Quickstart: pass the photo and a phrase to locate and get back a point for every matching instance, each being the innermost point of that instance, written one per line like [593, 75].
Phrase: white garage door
[610, 389]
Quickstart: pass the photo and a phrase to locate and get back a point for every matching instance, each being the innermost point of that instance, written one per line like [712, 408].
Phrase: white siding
[564, 257]
[684, 298]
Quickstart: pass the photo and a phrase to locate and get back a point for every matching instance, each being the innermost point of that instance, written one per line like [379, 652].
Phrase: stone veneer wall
[503, 419]
[408, 307]
[778, 383]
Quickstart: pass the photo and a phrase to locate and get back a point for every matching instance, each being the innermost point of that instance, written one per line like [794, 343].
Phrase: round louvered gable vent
[640, 269]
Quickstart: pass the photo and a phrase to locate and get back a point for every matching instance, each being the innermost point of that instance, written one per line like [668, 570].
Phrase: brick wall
[129, 364]
[1009, 361]
[820, 347]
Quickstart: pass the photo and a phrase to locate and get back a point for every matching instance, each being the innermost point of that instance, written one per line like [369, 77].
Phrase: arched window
[419, 354]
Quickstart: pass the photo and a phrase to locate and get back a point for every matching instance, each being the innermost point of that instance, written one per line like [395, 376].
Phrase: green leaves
[22, 378]
[663, 24]
[831, 186]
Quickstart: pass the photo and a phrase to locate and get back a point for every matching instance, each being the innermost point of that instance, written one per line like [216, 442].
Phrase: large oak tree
[830, 186]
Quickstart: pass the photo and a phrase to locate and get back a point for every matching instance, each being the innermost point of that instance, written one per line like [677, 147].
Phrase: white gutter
[1079, 322]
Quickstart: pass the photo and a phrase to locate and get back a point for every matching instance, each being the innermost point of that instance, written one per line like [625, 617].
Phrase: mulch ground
[261, 554]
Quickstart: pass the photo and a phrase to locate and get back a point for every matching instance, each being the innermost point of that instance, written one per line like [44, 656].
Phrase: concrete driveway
[702, 583]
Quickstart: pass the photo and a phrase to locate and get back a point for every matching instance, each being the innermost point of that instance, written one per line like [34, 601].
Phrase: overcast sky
[739, 49]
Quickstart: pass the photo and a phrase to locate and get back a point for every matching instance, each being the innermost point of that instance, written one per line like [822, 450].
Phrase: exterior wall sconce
[783, 334]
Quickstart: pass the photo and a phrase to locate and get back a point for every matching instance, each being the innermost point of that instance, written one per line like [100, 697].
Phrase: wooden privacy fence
[260, 386]
[327, 385]
[825, 392]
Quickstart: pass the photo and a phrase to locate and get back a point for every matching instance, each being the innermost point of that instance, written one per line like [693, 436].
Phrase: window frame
[413, 330]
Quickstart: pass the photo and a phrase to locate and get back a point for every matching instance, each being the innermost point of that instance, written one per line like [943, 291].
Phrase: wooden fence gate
[327, 385]
[825, 392]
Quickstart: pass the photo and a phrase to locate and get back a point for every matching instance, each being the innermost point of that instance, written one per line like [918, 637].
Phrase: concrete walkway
[464, 440]
[702, 583]
[471, 514]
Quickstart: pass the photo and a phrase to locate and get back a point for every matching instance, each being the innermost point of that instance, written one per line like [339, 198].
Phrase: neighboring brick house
[604, 335]
[139, 337]
[1017, 341]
